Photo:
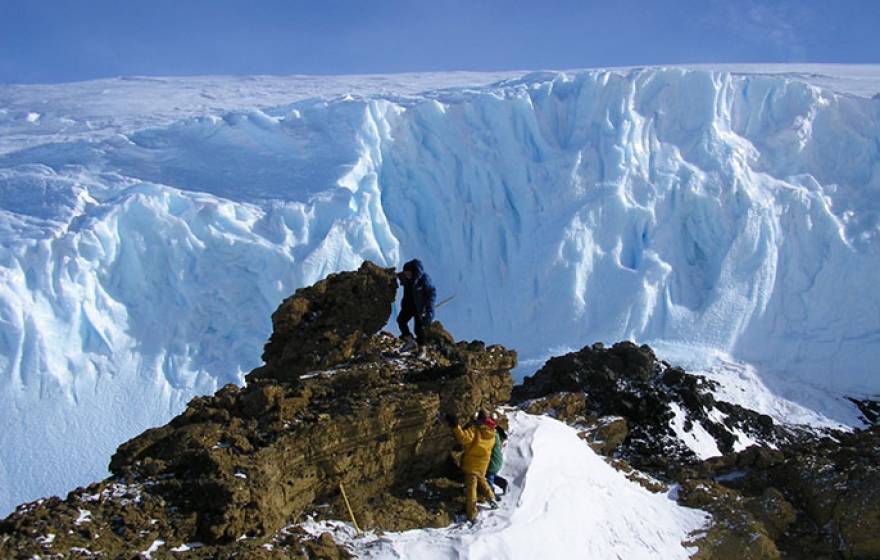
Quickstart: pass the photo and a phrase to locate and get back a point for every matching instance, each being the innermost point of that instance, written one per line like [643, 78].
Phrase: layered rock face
[336, 405]
[799, 493]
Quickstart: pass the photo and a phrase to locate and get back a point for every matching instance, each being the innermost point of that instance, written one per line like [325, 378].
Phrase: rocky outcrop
[818, 498]
[338, 404]
[870, 409]
[598, 385]
[326, 323]
[247, 460]
[802, 494]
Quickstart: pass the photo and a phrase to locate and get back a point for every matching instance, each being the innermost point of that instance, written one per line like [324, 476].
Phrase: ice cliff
[143, 245]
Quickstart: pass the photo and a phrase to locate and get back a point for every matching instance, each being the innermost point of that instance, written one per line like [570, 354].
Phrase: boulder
[606, 434]
[322, 325]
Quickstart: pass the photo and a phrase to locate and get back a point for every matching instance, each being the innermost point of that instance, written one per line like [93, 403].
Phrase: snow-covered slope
[564, 501]
[150, 227]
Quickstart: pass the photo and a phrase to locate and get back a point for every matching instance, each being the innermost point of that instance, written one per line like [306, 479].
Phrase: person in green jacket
[492, 476]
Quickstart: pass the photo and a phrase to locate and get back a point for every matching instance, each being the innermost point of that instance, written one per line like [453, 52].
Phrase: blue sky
[68, 40]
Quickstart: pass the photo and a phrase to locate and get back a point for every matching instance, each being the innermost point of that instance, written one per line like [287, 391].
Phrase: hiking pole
[348, 505]
[445, 301]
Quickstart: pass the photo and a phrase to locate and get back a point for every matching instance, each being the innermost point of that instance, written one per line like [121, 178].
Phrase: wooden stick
[350, 513]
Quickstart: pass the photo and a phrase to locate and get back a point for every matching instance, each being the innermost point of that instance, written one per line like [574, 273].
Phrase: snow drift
[143, 247]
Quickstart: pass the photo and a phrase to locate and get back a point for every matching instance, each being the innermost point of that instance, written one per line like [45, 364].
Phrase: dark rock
[815, 497]
[627, 380]
[734, 532]
[870, 409]
[674, 376]
[799, 493]
[837, 487]
[774, 512]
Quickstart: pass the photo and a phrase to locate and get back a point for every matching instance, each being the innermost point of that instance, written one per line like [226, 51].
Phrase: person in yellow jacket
[478, 440]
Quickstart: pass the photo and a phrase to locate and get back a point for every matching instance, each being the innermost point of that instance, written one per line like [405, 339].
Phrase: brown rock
[322, 325]
[607, 434]
[733, 533]
[567, 407]
[773, 511]
[251, 461]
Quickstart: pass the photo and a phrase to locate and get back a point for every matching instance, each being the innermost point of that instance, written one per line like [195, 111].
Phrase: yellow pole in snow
[348, 505]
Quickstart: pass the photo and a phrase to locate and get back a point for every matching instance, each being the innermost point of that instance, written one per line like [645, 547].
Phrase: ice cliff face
[737, 213]
[140, 258]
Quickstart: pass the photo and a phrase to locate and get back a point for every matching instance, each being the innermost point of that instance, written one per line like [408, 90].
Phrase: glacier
[151, 226]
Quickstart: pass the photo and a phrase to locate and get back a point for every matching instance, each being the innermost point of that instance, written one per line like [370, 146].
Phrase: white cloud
[776, 25]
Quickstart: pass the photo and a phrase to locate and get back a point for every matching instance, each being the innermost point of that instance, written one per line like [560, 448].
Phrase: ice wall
[724, 211]
[731, 212]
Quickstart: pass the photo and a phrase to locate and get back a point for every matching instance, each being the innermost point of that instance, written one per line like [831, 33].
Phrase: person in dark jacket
[418, 301]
